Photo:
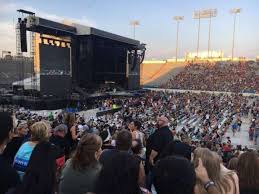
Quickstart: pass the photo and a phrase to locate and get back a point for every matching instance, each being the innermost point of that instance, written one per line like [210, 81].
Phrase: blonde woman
[40, 131]
[226, 181]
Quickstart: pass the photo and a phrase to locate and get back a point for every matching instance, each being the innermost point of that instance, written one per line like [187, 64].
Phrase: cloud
[7, 27]
[7, 8]
[7, 36]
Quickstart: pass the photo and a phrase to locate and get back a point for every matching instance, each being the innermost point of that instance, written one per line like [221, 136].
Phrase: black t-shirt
[106, 155]
[8, 176]
[161, 138]
[12, 148]
[61, 145]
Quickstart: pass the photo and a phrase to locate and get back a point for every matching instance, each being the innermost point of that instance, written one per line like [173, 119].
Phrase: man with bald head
[160, 139]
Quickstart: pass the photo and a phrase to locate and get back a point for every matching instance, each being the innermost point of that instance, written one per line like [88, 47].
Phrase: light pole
[177, 19]
[234, 11]
[134, 23]
[201, 14]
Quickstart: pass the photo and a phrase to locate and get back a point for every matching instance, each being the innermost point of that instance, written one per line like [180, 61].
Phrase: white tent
[29, 83]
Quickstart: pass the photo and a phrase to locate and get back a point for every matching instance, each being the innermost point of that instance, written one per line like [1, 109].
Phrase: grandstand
[14, 69]
[155, 73]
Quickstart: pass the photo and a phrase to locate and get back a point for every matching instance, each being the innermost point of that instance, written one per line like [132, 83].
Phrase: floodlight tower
[234, 11]
[201, 14]
[134, 23]
[177, 19]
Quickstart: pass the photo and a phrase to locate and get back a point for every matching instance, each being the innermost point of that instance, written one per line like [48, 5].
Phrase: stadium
[167, 104]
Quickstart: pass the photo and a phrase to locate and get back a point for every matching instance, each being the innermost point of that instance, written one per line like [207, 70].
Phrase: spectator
[137, 149]
[248, 173]
[232, 165]
[174, 175]
[162, 137]
[40, 175]
[73, 134]
[58, 139]
[82, 170]
[106, 138]
[120, 174]
[135, 127]
[18, 137]
[8, 176]
[202, 175]
[177, 148]
[226, 181]
[215, 77]
[123, 144]
[40, 131]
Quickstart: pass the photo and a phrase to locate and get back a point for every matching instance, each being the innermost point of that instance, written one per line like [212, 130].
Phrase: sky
[157, 28]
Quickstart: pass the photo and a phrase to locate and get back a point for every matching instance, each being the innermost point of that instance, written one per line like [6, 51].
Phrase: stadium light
[202, 14]
[177, 19]
[134, 23]
[234, 11]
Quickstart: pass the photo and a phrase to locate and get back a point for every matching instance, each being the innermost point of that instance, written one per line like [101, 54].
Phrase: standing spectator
[58, 139]
[8, 176]
[202, 175]
[232, 165]
[239, 123]
[162, 137]
[234, 128]
[248, 173]
[82, 170]
[40, 131]
[256, 131]
[72, 134]
[17, 139]
[226, 181]
[177, 148]
[123, 144]
[40, 175]
[174, 175]
[120, 174]
[135, 127]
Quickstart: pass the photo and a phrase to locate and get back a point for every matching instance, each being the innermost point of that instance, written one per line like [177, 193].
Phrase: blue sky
[157, 28]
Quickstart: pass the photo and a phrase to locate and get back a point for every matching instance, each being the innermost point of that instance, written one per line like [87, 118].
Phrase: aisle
[242, 137]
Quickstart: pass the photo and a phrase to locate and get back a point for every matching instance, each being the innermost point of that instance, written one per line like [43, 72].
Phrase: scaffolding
[19, 54]
[31, 56]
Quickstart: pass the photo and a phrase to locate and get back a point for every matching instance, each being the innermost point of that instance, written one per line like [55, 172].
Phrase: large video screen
[54, 60]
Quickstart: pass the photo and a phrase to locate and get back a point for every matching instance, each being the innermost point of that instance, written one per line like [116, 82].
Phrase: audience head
[119, 175]
[212, 163]
[71, 119]
[232, 164]
[6, 127]
[124, 140]
[174, 174]
[248, 171]
[60, 130]
[40, 131]
[22, 129]
[162, 121]
[178, 148]
[87, 152]
[135, 125]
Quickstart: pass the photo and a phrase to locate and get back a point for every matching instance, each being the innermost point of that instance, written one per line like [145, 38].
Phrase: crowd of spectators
[164, 143]
[228, 77]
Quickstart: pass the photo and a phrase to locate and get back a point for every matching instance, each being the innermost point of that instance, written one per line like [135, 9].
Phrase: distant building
[204, 55]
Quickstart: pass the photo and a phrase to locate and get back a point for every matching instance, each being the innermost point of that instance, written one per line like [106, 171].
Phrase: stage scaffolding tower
[31, 55]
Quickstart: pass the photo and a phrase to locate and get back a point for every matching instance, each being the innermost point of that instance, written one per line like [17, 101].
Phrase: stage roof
[45, 26]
